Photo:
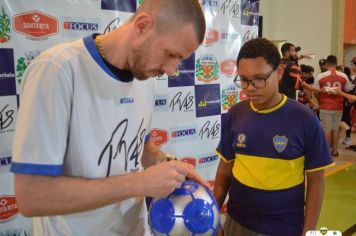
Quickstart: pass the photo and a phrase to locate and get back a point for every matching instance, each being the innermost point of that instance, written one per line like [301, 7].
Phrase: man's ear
[143, 23]
[280, 71]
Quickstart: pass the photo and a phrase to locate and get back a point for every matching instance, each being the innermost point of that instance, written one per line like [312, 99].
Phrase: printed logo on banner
[159, 136]
[8, 208]
[189, 160]
[207, 100]
[8, 112]
[207, 160]
[14, 232]
[5, 26]
[23, 62]
[242, 95]
[249, 12]
[228, 67]
[183, 133]
[228, 37]
[127, 100]
[211, 37]
[210, 130]
[231, 8]
[209, 3]
[229, 96]
[184, 75]
[7, 72]
[161, 103]
[250, 33]
[78, 26]
[207, 68]
[119, 5]
[182, 101]
[4, 161]
[35, 25]
[112, 25]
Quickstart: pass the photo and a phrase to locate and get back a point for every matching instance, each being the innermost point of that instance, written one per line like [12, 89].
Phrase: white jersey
[77, 119]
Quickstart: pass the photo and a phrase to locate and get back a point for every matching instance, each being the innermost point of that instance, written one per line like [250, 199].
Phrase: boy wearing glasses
[268, 144]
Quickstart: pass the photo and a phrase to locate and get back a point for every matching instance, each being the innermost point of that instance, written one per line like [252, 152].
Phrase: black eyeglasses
[257, 82]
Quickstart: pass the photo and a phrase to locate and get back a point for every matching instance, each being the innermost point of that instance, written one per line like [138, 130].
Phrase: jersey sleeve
[317, 154]
[42, 125]
[224, 149]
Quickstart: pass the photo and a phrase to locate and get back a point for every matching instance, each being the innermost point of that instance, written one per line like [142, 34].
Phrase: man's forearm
[38, 195]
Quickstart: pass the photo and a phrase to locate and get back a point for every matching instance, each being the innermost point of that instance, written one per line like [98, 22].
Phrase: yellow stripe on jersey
[222, 157]
[321, 168]
[279, 105]
[268, 173]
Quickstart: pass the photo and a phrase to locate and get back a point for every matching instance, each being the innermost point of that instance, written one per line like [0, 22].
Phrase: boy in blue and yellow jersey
[268, 144]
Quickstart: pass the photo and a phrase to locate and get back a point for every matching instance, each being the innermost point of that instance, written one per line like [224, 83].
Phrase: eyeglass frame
[266, 76]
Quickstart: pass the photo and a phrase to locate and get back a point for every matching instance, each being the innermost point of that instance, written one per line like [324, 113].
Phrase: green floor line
[339, 205]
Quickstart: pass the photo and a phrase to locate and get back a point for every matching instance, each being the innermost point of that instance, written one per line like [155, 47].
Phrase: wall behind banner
[188, 105]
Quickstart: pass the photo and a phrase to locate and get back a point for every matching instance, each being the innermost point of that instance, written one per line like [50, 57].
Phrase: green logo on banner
[20, 68]
[229, 97]
[4, 27]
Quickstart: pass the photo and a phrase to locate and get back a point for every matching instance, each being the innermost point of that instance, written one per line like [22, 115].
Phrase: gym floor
[339, 206]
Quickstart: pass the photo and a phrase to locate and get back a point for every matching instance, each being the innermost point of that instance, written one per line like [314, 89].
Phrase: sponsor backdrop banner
[188, 105]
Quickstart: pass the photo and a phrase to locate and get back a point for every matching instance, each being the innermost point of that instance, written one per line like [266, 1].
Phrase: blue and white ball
[189, 211]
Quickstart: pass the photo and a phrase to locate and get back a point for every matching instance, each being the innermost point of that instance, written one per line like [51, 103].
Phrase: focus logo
[8, 208]
[80, 26]
[208, 159]
[35, 24]
[185, 133]
[228, 67]
[159, 136]
[211, 37]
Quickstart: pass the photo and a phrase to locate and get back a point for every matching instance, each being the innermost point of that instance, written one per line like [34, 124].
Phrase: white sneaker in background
[347, 141]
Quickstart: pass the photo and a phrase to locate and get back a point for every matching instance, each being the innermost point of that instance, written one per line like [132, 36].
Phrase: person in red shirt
[331, 103]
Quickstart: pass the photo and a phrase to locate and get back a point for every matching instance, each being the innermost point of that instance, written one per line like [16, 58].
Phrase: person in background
[291, 80]
[82, 134]
[269, 144]
[331, 104]
[346, 114]
[322, 65]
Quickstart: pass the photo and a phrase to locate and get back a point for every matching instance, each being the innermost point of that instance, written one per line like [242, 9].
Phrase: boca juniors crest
[280, 143]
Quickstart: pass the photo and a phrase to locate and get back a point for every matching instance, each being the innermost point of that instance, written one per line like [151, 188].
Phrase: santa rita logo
[207, 68]
[4, 26]
[229, 97]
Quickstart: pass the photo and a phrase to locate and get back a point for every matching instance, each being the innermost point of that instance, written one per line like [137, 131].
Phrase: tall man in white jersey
[82, 135]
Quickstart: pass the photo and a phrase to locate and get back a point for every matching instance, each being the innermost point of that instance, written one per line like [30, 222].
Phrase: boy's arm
[222, 181]
[314, 199]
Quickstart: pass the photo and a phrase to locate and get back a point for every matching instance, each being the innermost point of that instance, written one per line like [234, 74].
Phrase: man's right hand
[161, 180]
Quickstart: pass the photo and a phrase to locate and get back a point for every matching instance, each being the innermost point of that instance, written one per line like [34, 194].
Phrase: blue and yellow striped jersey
[271, 149]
